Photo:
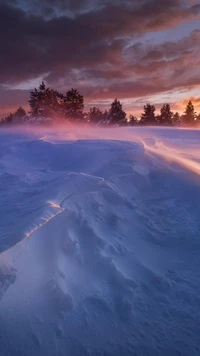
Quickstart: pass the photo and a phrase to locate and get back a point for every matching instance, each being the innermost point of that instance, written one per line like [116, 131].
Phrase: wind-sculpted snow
[100, 243]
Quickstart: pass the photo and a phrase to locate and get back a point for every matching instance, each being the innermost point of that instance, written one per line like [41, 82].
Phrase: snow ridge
[109, 262]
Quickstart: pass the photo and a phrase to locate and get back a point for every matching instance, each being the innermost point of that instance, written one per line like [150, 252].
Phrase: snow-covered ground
[99, 242]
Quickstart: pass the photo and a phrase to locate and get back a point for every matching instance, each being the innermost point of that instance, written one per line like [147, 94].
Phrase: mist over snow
[99, 241]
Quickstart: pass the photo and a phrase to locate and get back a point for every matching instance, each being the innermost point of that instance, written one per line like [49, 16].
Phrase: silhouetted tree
[8, 119]
[166, 115]
[105, 118]
[44, 102]
[95, 115]
[132, 121]
[19, 116]
[189, 115]
[148, 117]
[73, 105]
[116, 114]
[176, 118]
[20, 112]
[48, 103]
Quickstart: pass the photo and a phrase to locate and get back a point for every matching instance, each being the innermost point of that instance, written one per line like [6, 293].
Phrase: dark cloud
[89, 44]
[76, 7]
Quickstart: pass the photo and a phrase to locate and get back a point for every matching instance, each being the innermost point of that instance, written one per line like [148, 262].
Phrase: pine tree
[20, 112]
[19, 116]
[73, 105]
[116, 114]
[148, 117]
[44, 102]
[132, 120]
[8, 119]
[95, 115]
[105, 119]
[189, 115]
[166, 115]
[175, 118]
[37, 100]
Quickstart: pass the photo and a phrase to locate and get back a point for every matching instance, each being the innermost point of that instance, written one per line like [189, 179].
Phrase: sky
[135, 50]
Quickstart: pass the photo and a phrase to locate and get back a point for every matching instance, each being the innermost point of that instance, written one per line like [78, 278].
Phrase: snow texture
[100, 242]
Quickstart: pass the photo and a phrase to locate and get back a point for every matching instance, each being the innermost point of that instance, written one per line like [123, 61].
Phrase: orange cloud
[181, 105]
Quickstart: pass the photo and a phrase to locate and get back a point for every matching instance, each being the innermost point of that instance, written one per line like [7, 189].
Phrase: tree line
[48, 105]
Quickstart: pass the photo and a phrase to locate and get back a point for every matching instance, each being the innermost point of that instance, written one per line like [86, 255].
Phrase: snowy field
[100, 242]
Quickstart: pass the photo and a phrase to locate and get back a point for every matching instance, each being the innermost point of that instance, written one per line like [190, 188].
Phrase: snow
[99, 241]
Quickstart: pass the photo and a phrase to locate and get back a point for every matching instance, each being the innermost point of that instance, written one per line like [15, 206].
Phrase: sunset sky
[135, 50]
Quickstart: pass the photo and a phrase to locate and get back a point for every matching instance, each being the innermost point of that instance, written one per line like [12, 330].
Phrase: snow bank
[99, 241]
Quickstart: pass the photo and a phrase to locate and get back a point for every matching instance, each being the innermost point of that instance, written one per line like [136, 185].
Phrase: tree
[19, 116]
[176, 118]
[148, 117]
[95, 115]
[105, 120]
[189, 115]
[132, 121]
[116, 114]
[44, 102]
[20, 112]
[166, 115]
[8, 119]
[73, 105]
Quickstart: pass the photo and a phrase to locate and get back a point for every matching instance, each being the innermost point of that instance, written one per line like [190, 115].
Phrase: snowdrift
[99, 242]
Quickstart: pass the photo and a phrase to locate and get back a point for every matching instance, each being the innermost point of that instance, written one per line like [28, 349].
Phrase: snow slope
[100, 242]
